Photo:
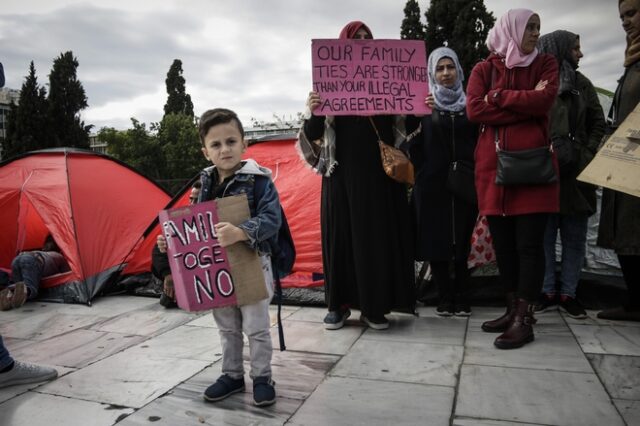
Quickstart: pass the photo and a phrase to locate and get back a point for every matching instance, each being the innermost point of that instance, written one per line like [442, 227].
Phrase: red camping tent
[95, 207]
[299, 191]
[140, 259]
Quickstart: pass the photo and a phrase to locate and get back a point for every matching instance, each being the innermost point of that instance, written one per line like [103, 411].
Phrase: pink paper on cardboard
[369, 77]
[199, 266]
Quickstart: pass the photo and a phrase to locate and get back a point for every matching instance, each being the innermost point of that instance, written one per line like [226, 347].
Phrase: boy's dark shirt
[217, 190]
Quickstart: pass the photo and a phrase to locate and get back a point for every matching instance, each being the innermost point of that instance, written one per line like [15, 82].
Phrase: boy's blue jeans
[573, 236]
[5, 358]
[254, 321]
[26, 267]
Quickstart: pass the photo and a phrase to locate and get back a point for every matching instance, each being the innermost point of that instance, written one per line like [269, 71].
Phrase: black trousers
[630, 266]
[519, 245]
[449, 290]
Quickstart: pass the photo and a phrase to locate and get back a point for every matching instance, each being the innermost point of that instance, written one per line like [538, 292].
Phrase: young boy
[222, 138]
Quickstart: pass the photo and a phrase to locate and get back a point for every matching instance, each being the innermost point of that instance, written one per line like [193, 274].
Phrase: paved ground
[128, 361]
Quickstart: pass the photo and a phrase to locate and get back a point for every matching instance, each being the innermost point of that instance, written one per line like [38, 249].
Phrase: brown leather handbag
[394, 162]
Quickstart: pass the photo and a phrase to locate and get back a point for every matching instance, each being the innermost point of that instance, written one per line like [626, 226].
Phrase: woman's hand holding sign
[313, 101]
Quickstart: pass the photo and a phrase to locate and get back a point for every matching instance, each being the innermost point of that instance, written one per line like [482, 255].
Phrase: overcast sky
[250, 56]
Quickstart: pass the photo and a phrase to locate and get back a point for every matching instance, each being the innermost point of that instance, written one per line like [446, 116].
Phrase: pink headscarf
[352, 28]
[506, 36]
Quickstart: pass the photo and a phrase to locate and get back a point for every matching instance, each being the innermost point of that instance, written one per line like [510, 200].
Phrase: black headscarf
[559, 44]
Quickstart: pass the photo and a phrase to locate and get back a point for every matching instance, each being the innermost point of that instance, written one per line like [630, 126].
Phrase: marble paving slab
[594, 320]
[36, 409]
[76, 349]
[476, 422]
[342, 401]
[313, 337]
[14, 345]
[125, 379]
[534, 396]
[43, 326]
[620, 374]
[608, 340]
[107, 306]
[309, 314]
[285, 312]
[422, 363]
[146, 322]
[407, 328]
[630, 410]
[185, 406]
[296, 375]
[204, 320]
[185, 342]
[13, 391]
[551, 351]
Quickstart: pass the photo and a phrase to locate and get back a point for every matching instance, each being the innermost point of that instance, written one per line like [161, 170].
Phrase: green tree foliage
[178, 101]
[28, 128]
[178, 137]
[412, 28]
[462, 25]
[66, 99]
[168, 152]
[136, 147]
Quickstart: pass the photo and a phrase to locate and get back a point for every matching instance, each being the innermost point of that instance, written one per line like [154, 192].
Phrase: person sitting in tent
[27, 269]
[160, 263]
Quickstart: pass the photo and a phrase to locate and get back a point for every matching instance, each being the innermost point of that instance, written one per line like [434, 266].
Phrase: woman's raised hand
[429, 100]
[313, 101]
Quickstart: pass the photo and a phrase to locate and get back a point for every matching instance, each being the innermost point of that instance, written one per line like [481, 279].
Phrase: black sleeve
[159, 263]
[314, 127]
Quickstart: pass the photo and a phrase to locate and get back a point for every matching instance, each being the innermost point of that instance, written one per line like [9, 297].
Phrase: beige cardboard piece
[246, 268]
[617, 163]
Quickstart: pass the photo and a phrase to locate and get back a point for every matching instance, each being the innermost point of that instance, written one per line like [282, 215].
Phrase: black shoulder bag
[524, 167]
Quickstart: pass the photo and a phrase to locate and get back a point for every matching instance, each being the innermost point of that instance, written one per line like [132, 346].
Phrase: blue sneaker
[263, 391]
[223, 387]
[334, 320]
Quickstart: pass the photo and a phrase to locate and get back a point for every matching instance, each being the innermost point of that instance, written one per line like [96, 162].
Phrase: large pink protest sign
[369, 77]
[203, 272]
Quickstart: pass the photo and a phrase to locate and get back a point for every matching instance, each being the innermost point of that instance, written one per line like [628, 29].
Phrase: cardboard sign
[369, 77]
[205, 275]
[617, 163]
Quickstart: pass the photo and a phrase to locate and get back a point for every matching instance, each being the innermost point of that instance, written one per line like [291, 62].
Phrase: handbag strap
[375, 128]
[573, 114]
[497, 141]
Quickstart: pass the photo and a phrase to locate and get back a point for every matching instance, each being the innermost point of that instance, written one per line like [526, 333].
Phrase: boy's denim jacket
[265, 220]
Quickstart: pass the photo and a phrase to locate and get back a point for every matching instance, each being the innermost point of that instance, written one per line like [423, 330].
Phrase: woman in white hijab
[444, 192]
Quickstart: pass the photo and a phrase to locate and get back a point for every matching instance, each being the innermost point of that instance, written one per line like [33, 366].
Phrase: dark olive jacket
[588, 128]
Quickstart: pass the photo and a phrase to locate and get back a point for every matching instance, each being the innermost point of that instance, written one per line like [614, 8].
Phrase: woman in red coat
[510, 95]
